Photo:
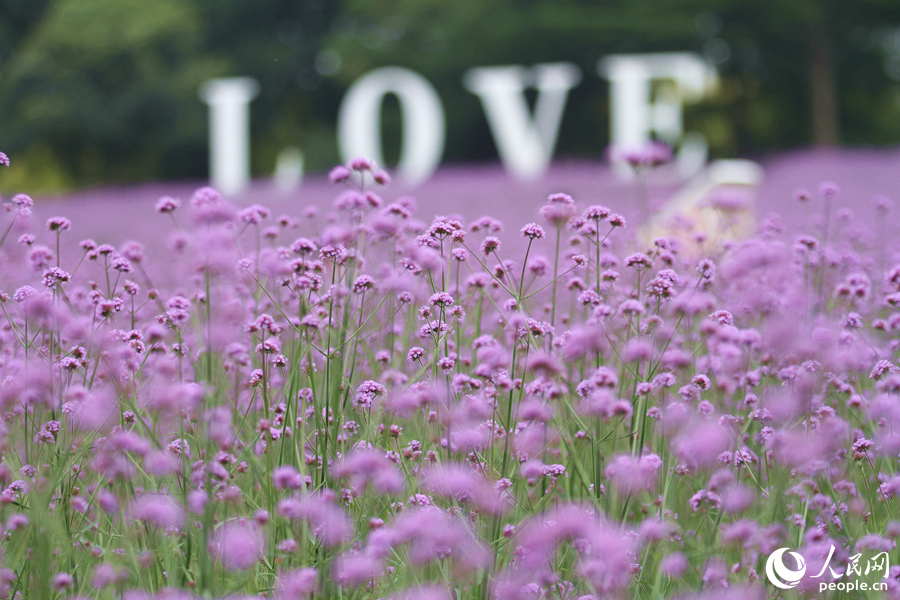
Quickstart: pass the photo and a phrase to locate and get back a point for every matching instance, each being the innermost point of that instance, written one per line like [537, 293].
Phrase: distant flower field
[372, 402]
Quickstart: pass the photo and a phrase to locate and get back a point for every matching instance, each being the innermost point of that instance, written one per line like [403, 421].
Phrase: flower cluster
[377, 405]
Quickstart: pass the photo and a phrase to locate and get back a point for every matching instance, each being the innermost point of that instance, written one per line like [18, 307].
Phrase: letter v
[525, 144]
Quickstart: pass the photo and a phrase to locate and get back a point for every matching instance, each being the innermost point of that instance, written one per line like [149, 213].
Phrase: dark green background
[106, 90]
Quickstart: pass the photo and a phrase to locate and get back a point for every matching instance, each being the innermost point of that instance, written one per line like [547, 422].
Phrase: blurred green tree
[810, 71]
[278, 42]
[442, 40]
[17, 19]
[107, 90]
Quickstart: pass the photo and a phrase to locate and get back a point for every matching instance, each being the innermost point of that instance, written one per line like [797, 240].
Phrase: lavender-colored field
[367, 400]
[115, 214]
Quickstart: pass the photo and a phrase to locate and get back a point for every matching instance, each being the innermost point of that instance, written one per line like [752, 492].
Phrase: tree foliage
[811, 71]
[108, 89]
[111, 87]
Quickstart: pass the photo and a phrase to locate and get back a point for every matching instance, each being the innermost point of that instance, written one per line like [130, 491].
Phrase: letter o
[359, 121]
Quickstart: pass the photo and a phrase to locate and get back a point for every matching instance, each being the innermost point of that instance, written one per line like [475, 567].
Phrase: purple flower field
[342, 394]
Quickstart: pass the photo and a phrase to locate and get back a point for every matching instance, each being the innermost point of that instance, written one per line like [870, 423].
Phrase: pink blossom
[237, 545]
[157, 509]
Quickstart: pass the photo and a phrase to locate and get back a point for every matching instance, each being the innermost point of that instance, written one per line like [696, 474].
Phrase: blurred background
[106, 91]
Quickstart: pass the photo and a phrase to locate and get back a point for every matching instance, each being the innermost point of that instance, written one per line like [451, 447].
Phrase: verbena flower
[237, 545]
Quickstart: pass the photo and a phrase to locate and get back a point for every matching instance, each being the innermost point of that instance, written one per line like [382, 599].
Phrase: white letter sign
[359, 121]
[635, 115]
[229, 131]
[525, 144]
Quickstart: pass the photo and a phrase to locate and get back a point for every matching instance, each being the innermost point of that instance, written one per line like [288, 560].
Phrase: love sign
[525, 139]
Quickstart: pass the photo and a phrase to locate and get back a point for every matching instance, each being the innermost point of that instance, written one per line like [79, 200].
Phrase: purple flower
[431, 592]
[367, 392]
[637, 350]
[731, 201]
[328, 521]
[161, 463]
[558, 209]
[354, 570]
[54, 276]
[651, 154]
[23, 201]
[655, 530]
[339, 174]
[704, 498]
[58, 224]
[828, 189]
[381, 177]
[287, 477]
[882, 367]
[361, 164]
[701, 444]
[490, 244]
[17, 521]
[370, 467]
[62, 581]
[106, 574]
[533, 231]
[723, 317]
[196, 501]
[108, 501]
[237, 545]
[297, 585]
[433, 535]
[442, 299]
[167, 204]
[461, 484]
[254, 214]
[638, 260]
[673, 565]
[630, 475]
[205, 196]
[157, 509]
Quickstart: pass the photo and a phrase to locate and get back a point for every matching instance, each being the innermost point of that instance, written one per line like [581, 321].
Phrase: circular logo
[779, 575]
